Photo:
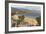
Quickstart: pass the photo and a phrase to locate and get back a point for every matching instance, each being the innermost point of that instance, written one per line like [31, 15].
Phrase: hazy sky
[28, 7]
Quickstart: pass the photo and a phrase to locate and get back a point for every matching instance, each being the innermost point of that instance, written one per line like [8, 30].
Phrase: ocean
[33, 15]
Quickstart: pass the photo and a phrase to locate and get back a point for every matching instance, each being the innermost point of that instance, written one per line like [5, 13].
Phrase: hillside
[20, 11]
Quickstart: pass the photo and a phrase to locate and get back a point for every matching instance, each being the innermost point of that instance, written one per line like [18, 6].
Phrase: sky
[28, 7]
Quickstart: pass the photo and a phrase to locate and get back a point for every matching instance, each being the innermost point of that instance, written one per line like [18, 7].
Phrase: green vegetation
[18, 22]
[21, 18]
[39, 20]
